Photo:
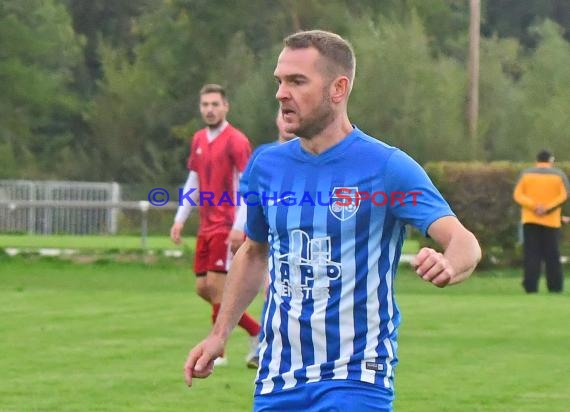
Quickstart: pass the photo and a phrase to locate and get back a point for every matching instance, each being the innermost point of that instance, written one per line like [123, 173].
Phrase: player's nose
[282, 92]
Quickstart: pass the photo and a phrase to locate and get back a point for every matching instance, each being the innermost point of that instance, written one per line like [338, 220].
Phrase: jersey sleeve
[192, 163]
[256, 226]
[413, 197]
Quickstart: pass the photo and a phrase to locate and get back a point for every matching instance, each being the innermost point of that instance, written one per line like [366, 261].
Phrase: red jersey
[218, 164]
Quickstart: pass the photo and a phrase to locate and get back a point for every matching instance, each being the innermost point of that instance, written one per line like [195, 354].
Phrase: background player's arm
[237, 234]
[185, 209]
[241, 217]
[461, 253]
[521, 198]
[559, 199]
[247, 272]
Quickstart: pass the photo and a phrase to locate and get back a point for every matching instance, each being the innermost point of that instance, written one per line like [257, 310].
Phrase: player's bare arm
[461, 253]
[247, 272]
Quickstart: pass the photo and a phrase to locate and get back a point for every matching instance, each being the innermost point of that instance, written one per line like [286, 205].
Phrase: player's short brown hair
[213, 88]
[330, 45]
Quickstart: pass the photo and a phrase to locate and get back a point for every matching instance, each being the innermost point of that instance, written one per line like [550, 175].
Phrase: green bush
[481, 194]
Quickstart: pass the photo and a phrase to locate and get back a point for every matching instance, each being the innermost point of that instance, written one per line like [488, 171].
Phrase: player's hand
[176, 232]
[565, 219]
[433, 267]
[200, 361]
[235, 239]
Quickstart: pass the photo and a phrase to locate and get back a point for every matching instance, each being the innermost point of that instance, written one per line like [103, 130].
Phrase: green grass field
[113, 337]
[113, 243]
[90, 242]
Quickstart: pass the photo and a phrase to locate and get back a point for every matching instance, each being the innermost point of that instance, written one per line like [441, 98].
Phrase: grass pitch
[114, 336]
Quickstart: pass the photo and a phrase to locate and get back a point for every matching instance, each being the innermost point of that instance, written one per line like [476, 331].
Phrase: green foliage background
[106, 90]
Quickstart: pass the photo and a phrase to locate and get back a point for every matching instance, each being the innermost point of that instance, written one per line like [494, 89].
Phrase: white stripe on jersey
[372, 306]
[389, 296]
[389, 360]
[346, 305]
[263, 344]
[275, 362]
[390, 302]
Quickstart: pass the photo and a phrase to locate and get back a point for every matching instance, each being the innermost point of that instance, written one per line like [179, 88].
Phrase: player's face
[303, 92]
[213, 108]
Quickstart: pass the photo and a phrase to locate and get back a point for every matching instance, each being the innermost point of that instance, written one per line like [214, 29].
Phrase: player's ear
[339, 89]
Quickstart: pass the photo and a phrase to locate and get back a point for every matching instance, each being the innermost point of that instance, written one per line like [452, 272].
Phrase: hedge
[481, 194]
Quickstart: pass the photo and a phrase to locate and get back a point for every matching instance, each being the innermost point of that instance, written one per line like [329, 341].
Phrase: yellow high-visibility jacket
[542, 185]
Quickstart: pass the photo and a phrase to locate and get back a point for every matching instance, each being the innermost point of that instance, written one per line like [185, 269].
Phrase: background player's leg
[202, 287]
[201, 267]
[551, 255]
[532, 257]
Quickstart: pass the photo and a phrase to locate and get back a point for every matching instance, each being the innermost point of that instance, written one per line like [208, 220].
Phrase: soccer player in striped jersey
[334, 234]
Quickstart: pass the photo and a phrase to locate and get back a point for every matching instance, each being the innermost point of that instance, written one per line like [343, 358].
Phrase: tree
[40, 52]
[405, 95]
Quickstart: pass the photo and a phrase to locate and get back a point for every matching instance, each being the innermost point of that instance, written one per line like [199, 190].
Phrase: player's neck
[331, 135]
[214, 131]
[217, 128]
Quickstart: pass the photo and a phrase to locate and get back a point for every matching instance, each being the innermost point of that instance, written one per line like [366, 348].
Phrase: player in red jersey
[219, 154]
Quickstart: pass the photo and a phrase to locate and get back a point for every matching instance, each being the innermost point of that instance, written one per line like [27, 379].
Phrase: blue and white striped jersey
[335, 223]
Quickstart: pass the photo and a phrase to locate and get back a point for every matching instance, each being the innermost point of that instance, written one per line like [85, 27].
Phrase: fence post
[144, 206]
[114, 212]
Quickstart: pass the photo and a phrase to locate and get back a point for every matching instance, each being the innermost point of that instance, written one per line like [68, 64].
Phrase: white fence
[53, 207]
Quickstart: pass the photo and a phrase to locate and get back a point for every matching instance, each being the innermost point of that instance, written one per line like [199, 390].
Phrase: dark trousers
[541, 244]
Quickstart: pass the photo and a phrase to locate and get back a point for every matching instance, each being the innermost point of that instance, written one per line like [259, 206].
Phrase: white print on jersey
[307, 270]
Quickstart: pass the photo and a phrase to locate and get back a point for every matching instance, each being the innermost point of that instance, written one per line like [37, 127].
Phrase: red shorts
[212, 254]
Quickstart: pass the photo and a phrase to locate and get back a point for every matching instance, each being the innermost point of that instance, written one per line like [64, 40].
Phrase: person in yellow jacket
[541, 191]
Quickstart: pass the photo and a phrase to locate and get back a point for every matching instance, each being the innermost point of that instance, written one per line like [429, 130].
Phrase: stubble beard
[318, 120]
[213, 126]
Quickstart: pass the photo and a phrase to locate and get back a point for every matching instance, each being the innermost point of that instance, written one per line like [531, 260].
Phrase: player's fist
[433, 267]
